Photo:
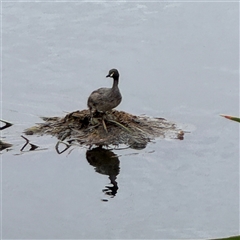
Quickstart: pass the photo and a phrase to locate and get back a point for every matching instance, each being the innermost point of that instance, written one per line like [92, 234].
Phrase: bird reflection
[105, 162]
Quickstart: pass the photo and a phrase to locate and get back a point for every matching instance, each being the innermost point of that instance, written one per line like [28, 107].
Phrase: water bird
[105, 99]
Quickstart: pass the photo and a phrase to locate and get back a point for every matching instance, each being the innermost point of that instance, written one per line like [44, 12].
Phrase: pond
[177, 60]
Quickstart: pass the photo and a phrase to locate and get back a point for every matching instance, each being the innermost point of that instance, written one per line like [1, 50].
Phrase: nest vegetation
[104, 129]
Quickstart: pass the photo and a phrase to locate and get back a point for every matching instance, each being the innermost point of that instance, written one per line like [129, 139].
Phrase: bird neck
[115, 83]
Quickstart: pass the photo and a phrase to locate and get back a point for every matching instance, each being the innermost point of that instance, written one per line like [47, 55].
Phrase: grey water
[177, 60]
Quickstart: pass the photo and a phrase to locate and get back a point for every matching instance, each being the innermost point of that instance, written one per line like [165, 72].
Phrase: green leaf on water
[237, 119]
[229, 238]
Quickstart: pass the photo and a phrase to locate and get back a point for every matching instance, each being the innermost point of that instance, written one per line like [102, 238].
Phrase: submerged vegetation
[4, 145]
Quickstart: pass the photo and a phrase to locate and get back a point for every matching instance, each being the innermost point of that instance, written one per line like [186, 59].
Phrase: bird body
[105, 99]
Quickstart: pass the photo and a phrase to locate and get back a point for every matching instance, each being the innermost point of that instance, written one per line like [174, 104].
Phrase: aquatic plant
[237, 119]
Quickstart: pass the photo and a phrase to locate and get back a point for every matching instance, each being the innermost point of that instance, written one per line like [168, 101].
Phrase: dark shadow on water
[105, 162]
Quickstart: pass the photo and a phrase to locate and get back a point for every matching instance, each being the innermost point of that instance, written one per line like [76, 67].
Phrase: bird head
[113, 73]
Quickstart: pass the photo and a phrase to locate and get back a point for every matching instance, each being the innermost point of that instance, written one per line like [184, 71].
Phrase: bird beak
[110, 75]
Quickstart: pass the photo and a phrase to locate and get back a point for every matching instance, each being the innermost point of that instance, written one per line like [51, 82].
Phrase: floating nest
[112, 128]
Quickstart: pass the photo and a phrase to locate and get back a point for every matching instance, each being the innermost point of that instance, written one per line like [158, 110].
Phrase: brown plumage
[105, 99]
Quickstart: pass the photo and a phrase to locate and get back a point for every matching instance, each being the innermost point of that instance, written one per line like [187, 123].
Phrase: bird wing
[98, 96]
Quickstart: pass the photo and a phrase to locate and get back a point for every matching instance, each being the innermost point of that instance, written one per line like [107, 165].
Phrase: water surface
[176, 60]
